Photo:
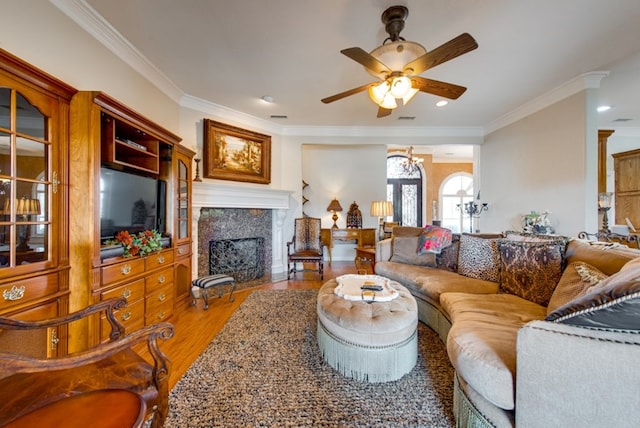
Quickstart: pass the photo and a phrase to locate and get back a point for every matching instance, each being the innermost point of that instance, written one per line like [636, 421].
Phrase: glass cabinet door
[183, 231]
[25, 181]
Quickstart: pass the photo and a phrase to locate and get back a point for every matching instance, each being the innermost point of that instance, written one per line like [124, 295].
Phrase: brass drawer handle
[161, 315]
[126, 316]
[127, 293]
[161, 279]
[54, 340]
[181, 251]
[160, 260]
[126, 269]
[15, 293]
[162, 297]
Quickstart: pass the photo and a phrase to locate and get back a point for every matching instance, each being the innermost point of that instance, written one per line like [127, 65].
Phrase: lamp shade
[26, 206]
[334, 206]
[604, 199]
[381, 208]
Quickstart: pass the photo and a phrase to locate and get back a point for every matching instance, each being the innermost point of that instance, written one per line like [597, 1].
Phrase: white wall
[545, 161]
[37, 32]
[349, 173]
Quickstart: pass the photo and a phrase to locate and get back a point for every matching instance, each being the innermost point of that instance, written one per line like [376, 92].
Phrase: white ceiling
[231, 53]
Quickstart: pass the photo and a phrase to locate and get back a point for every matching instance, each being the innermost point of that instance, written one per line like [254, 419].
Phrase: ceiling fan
[397, 64]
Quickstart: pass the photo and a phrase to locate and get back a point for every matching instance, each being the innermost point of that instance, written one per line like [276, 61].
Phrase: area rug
[264, 369]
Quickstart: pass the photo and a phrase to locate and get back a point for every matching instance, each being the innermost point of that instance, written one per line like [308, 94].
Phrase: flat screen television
[130, 202]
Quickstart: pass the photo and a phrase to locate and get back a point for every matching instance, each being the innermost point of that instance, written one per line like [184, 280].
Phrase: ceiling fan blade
[382, 112]
[452, 49]
[364, 58]
[435, 87]
[344, 94]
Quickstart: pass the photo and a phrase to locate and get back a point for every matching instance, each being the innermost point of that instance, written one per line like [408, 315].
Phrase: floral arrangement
[536, 222]
[139, 244]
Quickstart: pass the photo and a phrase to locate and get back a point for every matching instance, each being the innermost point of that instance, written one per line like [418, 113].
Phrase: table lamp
[381, 209]
[334, 207]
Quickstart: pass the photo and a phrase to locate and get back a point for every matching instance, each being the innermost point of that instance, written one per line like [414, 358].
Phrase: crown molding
[94, 24]
[584, 81]
[230, 115]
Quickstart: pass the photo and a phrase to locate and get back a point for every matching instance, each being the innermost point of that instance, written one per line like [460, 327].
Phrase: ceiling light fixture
[411, 164]
[603, 108]
[267, 99]
[442, 103]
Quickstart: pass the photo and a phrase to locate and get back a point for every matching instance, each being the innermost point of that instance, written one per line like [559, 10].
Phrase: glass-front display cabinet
[34, 195]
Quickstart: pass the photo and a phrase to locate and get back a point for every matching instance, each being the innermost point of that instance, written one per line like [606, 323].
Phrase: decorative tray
[367, 288]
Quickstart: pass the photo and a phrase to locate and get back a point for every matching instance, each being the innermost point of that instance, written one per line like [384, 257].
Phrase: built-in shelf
[124, 145]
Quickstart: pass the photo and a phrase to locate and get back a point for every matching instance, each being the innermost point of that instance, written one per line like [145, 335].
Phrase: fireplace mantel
[215, 195]
[207, 194]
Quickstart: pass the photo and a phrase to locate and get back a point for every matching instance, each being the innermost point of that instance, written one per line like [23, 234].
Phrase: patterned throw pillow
[576, 280]
[433, 239]
[479, 258]
[531, 270]
[613, 302]
[448, 258]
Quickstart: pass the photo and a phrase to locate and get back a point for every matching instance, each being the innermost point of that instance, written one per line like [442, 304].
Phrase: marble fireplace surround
[215, 195]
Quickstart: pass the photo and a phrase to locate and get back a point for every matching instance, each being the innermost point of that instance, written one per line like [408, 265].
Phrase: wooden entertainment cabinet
[105, 132]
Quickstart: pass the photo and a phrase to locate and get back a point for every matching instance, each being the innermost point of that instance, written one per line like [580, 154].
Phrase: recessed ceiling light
[603, 108]
[267, 99]
[442, 103]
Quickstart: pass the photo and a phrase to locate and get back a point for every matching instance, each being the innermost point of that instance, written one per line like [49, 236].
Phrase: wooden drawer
[131, 317]
[159, 296]
[131, 291]
[121, 271]
[158, 279]
[183, 250]
[18, 292]
[156, 260]
[159, 313]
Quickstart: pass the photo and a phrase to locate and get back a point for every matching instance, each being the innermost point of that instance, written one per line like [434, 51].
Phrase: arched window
[455, 191]
[404, 189]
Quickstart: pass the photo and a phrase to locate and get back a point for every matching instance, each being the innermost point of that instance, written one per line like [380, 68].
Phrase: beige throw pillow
[576, 280]
[405, 251]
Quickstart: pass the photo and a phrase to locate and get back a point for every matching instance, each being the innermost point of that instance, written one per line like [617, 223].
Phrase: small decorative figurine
[354, 217]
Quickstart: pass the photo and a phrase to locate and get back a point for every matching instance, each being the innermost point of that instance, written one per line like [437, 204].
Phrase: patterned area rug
[264, 369]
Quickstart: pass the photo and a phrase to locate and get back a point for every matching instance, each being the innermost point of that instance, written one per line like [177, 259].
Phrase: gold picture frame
[232, 153]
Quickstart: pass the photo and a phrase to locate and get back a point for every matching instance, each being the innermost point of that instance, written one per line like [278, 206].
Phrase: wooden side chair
[33, 386]
[306, 247]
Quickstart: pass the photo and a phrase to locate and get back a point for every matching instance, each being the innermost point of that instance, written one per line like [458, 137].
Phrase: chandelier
[411, 165]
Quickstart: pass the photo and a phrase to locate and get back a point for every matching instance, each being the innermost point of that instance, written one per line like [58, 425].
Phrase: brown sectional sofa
[580, 374]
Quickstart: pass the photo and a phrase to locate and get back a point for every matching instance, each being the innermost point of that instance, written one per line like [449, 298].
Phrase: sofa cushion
[576, 279]
[608, 262]
[482, 341]
[479, 258]
[405, 250]
[613, 303]
[530, 270]
[433, 239]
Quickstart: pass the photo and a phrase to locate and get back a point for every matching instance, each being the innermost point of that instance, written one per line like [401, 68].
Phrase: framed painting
[232, 153]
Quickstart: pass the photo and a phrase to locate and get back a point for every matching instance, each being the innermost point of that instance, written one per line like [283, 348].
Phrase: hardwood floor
[195, 328]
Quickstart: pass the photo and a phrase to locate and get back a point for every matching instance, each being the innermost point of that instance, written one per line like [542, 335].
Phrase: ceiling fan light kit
[398, 63]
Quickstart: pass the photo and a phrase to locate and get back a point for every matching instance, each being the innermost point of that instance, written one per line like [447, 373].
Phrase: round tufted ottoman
[373, 342]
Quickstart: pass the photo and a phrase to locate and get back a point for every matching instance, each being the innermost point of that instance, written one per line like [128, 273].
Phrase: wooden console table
[358, 237]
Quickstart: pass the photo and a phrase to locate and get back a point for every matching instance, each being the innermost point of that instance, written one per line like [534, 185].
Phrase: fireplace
[228, 212]
[244, 258]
